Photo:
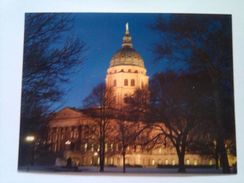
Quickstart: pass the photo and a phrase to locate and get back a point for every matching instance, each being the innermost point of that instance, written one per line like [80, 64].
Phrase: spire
[127, 38]
[127, 28]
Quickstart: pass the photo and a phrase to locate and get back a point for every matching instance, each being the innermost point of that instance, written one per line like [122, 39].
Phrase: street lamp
[30, 139]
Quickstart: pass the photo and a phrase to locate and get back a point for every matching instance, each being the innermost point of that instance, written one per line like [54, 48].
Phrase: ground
[116, 170]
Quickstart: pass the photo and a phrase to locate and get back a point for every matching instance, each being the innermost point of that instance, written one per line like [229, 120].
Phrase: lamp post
[30, 139]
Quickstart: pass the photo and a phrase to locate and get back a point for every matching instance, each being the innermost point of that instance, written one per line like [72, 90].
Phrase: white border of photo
[11, 55]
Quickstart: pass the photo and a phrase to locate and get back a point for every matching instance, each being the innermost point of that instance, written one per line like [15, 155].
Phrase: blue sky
[103, 33]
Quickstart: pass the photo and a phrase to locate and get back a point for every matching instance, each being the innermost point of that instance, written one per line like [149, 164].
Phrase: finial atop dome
[127, 39]
[127, 28]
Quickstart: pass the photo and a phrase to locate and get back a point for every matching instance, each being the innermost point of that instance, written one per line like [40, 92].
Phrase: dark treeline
[203, 43]
[51, 54]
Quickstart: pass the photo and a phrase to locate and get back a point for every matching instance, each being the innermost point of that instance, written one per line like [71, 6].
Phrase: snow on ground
[150, 170]
[118, 170]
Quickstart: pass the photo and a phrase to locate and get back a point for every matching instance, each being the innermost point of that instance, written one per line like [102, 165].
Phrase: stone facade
[75, 134]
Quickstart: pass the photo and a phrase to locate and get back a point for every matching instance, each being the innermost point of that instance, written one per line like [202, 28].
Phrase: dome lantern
[127, 38]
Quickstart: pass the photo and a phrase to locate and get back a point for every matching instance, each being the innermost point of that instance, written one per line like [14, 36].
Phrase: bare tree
[199, 43]
[131, 118]
[50, 56]
[101, 103]
[176, 111]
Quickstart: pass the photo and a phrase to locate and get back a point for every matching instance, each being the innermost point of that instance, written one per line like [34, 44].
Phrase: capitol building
[73, 133]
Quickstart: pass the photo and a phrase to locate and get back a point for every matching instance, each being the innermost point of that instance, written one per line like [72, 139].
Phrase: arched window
[126, 82]
[132, 82]
[136, 71]
[122, 70]
[115, 83]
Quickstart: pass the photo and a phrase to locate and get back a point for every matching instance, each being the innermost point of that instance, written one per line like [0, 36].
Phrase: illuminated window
[115, 83]
[195, 162]
[106, 147]
[98, 148]
[85, 147]
[112, 147]
[111, 161]
[210, 162]
[166, 162]
[126, 82]
[188, 162]
[92, 147]
[173, 162]
[153, 162]
[132, 82]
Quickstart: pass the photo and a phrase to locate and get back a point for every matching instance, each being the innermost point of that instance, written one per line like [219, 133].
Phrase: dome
[127, 56]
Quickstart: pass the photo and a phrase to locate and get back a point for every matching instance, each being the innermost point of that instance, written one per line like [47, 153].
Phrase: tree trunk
[181, 157]
[216, 157]
[216, 161]
[124, 160]
[101, 155]
[221, 142]
[102, 148]
[224, 157]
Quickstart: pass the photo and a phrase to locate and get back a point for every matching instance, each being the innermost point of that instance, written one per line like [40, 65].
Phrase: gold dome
[127, 55]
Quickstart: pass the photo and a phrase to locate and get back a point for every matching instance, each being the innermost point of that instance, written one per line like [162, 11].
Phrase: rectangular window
[126, 82]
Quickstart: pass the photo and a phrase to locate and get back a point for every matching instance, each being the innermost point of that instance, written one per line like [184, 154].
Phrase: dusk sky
[103, 34]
